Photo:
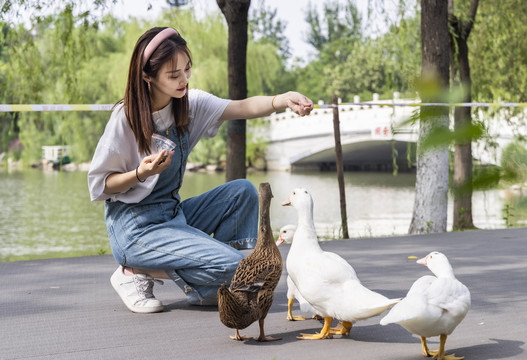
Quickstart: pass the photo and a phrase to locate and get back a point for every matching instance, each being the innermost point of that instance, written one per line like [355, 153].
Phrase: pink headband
[154, 43]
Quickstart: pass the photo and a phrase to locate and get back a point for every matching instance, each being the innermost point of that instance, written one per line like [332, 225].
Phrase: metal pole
[340, 169]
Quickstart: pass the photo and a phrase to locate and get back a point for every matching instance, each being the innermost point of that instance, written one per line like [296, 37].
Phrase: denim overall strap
[167, 187]
[170, 180]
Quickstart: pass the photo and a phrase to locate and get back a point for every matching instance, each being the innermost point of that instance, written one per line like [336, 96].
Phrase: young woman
[138, 168]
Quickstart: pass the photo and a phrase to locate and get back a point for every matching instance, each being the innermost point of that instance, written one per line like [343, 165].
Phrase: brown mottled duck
[251, 292]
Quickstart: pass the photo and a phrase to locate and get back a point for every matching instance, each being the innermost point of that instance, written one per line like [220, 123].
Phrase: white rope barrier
[54, 107]
[419, 104]
[109, 107]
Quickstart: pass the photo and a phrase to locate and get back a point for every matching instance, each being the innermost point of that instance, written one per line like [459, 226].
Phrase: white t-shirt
[117, 150]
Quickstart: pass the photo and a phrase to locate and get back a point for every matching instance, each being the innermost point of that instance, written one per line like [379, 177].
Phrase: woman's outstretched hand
[299, 103]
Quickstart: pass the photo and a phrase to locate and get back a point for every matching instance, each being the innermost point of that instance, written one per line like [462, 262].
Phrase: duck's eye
[294, 193]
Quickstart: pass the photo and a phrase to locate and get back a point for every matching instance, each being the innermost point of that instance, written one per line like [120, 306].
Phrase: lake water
[49, 214]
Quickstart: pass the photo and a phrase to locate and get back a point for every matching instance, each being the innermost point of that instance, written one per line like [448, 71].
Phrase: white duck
[434, 305]
[325, 280]
[286, 236]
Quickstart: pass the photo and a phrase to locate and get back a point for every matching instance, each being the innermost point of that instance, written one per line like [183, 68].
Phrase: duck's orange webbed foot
[440, 354]
[295, 318]
[325, 333]
[343, 328]
[290, 316]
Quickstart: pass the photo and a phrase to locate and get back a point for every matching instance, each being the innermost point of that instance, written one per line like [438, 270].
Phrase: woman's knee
[231, 264]
[245, 187]
[246, 190]
[222, 272]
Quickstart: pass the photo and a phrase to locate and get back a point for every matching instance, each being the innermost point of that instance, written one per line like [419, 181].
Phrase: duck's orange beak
[287, 202]
[423, 261]
[280, 240]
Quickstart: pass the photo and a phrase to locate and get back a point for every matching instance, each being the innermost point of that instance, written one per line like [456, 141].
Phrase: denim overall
[161, 232]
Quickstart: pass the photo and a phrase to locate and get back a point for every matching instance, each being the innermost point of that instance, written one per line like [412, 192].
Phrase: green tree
[514, 162]
[44, 65]
[498, 52]
[460, 29]
[265, 26]
[362, 63]
[339, 24]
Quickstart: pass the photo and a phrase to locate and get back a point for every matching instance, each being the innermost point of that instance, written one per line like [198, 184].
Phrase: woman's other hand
[154, 164]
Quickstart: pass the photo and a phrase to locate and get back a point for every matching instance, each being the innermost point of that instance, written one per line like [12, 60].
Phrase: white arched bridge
[371, 138]
[374, 135]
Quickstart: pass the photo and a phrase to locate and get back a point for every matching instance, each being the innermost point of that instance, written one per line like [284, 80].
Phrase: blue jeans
[195, 241]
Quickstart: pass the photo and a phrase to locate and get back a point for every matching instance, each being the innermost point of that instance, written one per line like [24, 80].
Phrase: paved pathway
[67, 309]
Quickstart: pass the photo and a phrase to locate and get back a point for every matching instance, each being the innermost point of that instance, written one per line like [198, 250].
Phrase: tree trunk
[462, 179]
[431, 188]
[236, 12]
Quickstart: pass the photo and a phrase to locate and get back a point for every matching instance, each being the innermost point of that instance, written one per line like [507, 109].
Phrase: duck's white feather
[324, 279]
[287, 233]
[330, 285]
[433, 305]
[293, 293]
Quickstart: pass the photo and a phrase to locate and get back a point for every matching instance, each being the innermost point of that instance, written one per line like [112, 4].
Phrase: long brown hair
[137, 96]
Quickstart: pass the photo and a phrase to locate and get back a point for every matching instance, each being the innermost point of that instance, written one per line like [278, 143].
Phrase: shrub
[514, 162]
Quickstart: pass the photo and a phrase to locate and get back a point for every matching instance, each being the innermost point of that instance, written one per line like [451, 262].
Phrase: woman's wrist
[137, 175]
[279, 102]
[273, 105]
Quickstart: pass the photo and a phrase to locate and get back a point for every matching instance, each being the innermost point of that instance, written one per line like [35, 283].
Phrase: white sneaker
[136, 291]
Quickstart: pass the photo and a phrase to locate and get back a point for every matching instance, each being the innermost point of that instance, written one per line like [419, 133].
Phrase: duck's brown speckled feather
[251, 292]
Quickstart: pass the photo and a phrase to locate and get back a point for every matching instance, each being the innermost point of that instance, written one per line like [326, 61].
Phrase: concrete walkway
[67, 309]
